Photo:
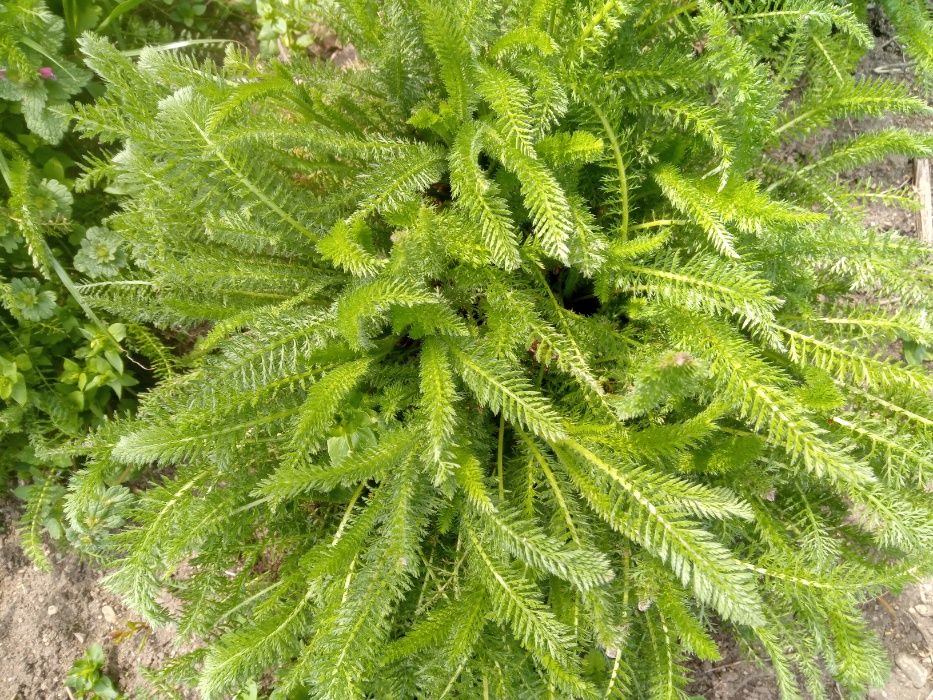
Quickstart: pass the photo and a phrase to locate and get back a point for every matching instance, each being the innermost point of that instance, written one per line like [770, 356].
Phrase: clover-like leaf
[53, 200]
[101, 253]
[29, 302]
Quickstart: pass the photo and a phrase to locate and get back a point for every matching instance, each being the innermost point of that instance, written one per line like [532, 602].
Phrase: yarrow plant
[535, 355]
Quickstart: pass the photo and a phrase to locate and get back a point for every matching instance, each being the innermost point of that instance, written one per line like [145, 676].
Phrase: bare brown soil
[904, 623]
[47, 620]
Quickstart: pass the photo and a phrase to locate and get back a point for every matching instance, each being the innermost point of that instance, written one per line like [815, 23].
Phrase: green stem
[346, 515]
[657, 223]
[499, 465]
[172, 46]
[540, 377]
[242, 604]
[620, 166]
[689, 7]
[73, 290]
[5, 170]
[251, 504]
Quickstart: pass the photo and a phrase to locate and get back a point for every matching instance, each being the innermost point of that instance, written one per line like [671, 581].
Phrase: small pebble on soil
[109, 614]
[913, 669]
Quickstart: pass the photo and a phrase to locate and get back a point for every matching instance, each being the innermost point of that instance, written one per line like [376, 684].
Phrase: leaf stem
[657, 223]
[346, 515]
[499, 465]
[620, 166]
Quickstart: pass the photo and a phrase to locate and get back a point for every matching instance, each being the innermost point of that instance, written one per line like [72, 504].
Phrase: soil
[904, 623]
[47, 620]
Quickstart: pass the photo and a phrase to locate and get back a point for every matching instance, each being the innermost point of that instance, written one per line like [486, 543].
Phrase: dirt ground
[47, 620]
[904, 623]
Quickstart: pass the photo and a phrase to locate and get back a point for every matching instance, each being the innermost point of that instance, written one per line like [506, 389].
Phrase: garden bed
[47, 620]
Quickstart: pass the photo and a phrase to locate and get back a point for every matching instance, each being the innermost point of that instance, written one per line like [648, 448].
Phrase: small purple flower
[47, 73]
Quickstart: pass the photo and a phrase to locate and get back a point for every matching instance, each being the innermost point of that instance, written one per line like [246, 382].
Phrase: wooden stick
[923, 181]
[887, 606]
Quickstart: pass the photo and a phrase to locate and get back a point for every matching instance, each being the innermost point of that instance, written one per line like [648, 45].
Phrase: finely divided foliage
[534, 357]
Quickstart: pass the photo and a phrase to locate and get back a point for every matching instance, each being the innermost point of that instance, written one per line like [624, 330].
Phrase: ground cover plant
[88, 678]
[534, 353]
[62, 367]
